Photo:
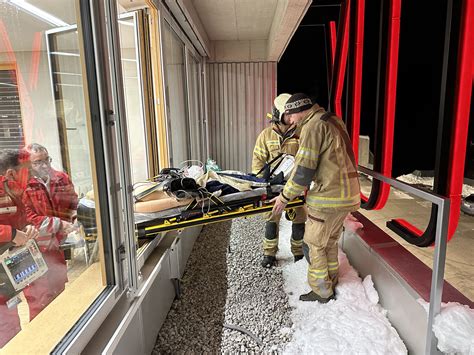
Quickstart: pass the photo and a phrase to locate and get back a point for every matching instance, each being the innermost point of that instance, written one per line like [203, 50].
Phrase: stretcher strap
[196, 218]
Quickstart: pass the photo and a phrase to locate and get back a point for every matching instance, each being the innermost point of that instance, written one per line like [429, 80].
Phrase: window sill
[50, 326]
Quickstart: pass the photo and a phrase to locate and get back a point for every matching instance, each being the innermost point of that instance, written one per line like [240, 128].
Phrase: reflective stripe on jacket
[271, 143]
[325, 158]
[45, 209]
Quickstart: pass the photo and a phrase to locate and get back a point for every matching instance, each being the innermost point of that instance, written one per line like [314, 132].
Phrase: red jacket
[45, 208]
[12, 213]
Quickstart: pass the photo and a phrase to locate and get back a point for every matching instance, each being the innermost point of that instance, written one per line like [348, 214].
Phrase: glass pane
[67, 79]
[47, 177]
[178, 129]
[195, 125]
[133, 98]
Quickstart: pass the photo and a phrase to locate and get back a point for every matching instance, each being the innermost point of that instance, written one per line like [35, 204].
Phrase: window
[175, 82]
[131, 69]
[66, 78]
[43, 96]
[196, 122]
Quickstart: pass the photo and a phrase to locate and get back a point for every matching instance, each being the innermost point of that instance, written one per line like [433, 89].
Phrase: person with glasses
[51, 204]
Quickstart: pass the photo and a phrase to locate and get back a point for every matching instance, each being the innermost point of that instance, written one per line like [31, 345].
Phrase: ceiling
[239, 30]
[236, 20]
[230, 30]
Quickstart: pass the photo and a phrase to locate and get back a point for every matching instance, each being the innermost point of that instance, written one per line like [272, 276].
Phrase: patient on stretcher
[174, 188]
[174, 191]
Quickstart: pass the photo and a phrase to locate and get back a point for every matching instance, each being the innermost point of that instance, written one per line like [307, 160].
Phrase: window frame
[111, 178]
[189, 49]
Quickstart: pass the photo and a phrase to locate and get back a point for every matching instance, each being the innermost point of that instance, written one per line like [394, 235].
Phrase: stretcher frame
[193, 218]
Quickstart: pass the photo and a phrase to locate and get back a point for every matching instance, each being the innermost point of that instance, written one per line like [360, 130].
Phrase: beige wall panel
[240, 95]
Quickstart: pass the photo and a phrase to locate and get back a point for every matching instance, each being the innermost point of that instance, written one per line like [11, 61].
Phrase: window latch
[110, 118]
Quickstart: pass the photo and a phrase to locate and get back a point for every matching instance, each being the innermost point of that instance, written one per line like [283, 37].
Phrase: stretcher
[212, 210]
[188, 204]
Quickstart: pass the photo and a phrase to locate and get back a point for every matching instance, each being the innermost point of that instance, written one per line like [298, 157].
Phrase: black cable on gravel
[224, 284]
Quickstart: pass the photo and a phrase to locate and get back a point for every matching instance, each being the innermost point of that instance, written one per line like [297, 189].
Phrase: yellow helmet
[278, 108]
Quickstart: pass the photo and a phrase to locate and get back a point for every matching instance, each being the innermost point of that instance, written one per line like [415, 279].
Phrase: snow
[454, 328]
[354, 323]
[429, 181]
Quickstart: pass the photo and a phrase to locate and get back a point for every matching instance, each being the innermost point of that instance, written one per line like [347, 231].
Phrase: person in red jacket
[51, 204]
[14, 227]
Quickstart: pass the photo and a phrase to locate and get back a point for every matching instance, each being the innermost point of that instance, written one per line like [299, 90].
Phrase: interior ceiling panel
[236, 19]
[14, 19]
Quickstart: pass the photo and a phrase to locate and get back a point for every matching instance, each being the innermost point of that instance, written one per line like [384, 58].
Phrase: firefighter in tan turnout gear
[325, 161]
[274, 141]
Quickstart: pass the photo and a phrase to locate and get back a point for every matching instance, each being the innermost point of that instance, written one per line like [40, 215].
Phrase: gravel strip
[256, 300]
[194, 322]
[222, 288]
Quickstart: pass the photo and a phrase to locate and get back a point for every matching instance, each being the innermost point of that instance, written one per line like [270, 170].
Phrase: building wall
[240, 96]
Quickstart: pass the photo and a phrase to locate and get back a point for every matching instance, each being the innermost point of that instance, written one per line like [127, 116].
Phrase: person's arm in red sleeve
[45, 224]
[7, 233]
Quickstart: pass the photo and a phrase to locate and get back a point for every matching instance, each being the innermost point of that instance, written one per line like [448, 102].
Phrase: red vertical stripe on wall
[35, 60]
[461, 114]
[358, 61]
[390, 99]
[332, 36]
[341, 74]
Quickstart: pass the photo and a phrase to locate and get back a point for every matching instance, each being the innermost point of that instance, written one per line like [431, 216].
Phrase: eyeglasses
[47, 161]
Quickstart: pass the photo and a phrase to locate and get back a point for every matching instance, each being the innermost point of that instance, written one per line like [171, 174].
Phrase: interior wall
[240, 96]
[37, 103]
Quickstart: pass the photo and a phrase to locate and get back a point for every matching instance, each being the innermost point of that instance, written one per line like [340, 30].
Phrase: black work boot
[311, 297]
[270, 244]
[298, 258]
[268, 261]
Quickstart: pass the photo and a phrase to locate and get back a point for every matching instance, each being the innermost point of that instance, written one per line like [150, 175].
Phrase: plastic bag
[211, 165]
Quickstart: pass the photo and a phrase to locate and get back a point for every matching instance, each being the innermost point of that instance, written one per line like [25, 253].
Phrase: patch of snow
[354, 323]
[454, 328]
[370, 291]
[429, 181]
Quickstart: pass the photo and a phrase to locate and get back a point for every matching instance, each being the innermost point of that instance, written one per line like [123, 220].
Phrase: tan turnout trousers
[323, 230]
[270, 241]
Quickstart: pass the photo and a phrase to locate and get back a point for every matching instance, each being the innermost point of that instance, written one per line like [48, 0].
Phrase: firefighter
[325, 161]
[51, 204]
[13, 225]
[280, 138]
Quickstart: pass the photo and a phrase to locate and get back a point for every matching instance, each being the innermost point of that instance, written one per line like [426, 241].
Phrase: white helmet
[278, 109]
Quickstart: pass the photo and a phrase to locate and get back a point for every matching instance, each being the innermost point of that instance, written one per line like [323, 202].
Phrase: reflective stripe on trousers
[270, 243]
[323, 230]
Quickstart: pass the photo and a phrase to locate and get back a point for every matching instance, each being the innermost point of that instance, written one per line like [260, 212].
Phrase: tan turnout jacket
[324, 158]
[271, 142]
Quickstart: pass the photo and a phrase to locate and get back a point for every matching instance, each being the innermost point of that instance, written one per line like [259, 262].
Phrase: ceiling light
[38, 13]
